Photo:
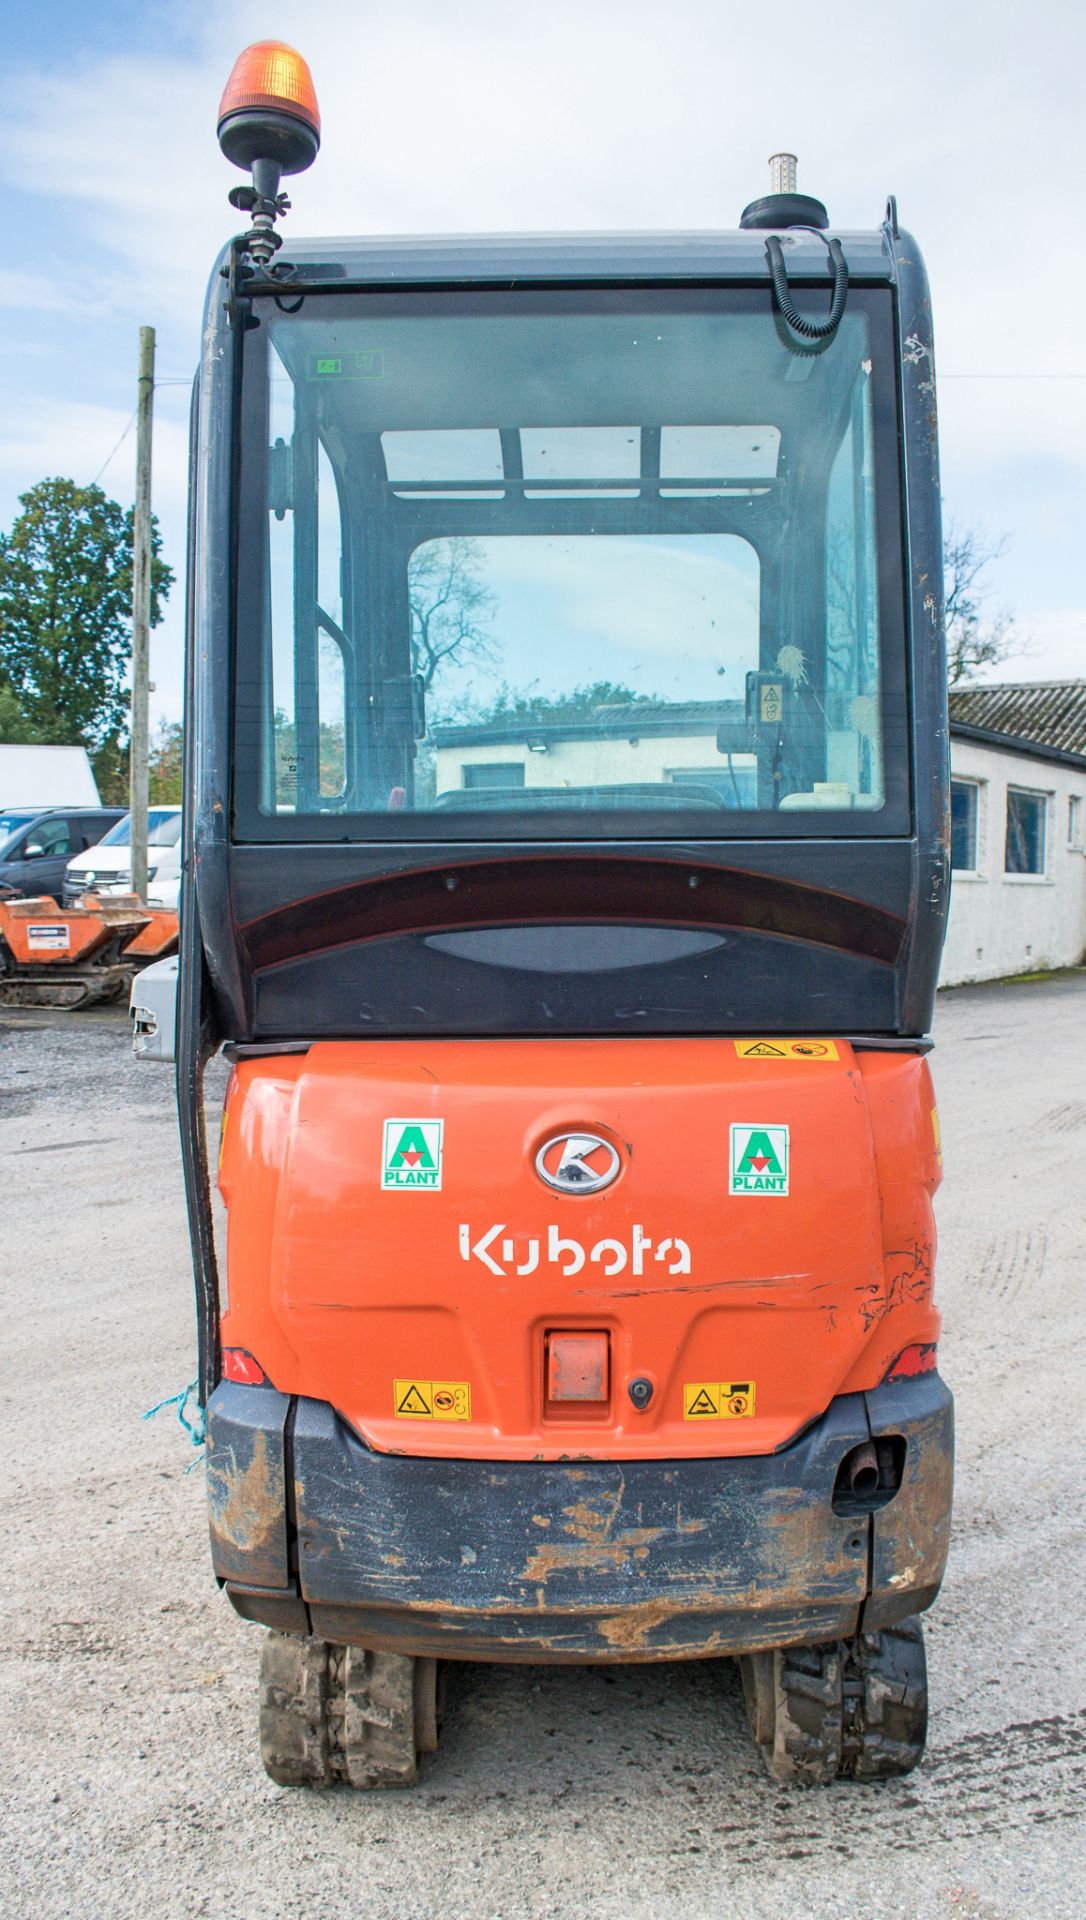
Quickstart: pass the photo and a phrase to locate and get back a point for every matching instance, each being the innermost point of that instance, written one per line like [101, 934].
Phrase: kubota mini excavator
[566, 874]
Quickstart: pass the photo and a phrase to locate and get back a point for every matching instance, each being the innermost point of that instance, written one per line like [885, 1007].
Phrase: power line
[116, 449]
[129, 429]
[1011, 376]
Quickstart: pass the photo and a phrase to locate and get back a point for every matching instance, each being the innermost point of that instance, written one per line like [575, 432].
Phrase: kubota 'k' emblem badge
[577, 1162]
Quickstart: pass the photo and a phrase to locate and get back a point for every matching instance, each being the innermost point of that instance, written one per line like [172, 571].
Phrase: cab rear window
[583, 564]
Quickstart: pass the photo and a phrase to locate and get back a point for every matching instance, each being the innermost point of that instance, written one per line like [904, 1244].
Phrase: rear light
[240, 1367]
[577, 1368]
[910, 1362]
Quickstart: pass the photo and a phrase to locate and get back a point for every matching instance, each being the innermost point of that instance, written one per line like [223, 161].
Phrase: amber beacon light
[269, 109]
[269, 124]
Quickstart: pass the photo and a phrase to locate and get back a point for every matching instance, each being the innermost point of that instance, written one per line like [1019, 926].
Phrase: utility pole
[141, 615]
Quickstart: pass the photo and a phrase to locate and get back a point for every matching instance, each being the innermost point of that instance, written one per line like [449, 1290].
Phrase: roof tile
[1050, 713]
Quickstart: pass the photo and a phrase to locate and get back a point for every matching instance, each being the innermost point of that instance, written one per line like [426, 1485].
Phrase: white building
[642, 744]
[1018, 801]
[1018, 830]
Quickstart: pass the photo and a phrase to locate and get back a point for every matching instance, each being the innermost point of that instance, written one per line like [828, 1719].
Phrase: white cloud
[593, 114]
[680, 605]
[48, 436]
[1005, 421]
[35, 292]
[1054, 646]
[600, 115]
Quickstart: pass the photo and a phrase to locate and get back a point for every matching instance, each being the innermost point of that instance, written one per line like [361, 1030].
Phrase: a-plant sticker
[759, 1160]
[412, 1153]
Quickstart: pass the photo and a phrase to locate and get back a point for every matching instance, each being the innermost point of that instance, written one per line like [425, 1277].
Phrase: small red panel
[913, 1360]
[239, 1366]
[578, 1366]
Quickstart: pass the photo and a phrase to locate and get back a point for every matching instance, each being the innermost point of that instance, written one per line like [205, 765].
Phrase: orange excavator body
[566, 856]
[434, 1305]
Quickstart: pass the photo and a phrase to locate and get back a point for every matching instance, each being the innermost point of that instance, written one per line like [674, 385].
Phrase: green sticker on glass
[368, 363]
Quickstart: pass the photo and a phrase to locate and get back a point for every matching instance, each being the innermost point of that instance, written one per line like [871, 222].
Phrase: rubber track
[336, 1713]
[854, 1709]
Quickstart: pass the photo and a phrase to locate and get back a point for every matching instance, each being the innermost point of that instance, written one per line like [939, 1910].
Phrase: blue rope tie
[197, 1429]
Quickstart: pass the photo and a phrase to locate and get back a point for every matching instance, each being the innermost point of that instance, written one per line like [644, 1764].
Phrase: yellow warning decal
[431, 1399]
[786, 1049]
[938, 1133]
[718, 1399]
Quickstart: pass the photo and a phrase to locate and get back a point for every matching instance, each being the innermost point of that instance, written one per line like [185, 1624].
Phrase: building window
[1026, 831]
[731, 785]
[493, 773]
[1074, 821]
[964, 813]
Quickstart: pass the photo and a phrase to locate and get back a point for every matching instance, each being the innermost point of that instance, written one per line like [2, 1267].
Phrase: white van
[107, 868]
[34, 779]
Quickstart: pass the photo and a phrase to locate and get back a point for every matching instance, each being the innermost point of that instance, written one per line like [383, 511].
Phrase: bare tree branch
[974, 637]
[451, 607]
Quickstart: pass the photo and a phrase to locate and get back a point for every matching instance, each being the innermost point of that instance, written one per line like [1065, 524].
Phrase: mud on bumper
[312, 1532]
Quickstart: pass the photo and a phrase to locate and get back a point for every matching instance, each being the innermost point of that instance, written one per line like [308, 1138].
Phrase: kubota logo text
[505, 1252]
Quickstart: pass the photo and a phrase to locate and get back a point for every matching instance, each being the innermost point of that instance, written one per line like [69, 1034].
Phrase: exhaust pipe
[870, 1474]
[861, 1472]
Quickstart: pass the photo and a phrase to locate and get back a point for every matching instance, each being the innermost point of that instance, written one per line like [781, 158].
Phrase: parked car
[36, 844]
[107, 868]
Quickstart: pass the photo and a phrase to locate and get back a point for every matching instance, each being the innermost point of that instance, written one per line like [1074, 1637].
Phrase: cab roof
[450, 259]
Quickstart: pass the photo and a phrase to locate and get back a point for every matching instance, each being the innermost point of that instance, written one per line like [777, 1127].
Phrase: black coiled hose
[800, 324]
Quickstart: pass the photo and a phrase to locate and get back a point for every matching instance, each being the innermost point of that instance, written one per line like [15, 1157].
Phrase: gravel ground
[128, 1716]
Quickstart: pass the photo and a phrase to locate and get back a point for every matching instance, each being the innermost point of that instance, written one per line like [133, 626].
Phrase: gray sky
[589, 115]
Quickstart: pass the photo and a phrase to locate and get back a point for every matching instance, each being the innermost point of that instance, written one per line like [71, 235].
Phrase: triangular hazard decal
[764, 1051]
[704, 1403]
[413, 1402]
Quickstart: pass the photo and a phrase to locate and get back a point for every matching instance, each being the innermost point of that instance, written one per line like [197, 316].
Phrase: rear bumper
[312, 1532]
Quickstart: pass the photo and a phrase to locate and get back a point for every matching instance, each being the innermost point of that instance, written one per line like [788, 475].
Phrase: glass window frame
[490, 766]
[894, 820]
[1043, 798]
[976, 787]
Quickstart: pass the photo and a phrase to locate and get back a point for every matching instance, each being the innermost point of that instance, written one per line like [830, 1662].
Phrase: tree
[513, 705]
[164, 765]
[65, 614]
[110, 763]
[973, 639]
[331, 759]
[451, 608]
[15, 729]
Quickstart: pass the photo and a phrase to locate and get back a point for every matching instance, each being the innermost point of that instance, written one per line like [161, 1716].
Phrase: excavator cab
[566, 873]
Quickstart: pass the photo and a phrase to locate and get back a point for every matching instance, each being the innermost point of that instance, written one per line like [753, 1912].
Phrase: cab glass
[582, 564]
